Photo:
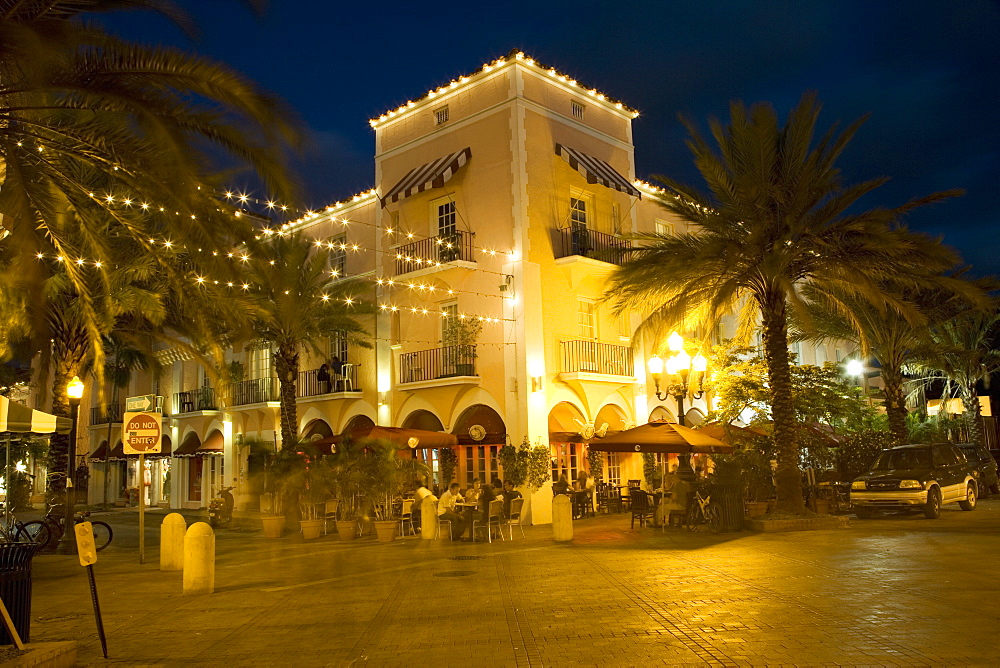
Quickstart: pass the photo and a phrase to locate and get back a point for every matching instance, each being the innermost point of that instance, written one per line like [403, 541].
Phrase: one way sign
[144, 403]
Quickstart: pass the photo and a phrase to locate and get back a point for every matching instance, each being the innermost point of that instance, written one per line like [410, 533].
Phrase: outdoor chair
[329, 513]
[406, 516]
[515, 517]
[609, 498]
[492, 517]
[641, 507]
[632, 485]
[439, 523]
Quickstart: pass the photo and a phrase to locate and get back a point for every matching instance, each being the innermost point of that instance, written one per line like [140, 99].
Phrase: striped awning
[596, 170]
[432, 175]
[23, 420]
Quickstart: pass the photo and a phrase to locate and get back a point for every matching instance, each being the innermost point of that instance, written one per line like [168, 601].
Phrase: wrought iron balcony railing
[346, 380]
[445, 362]
[595, 357]
[426, 252]
[255, 391]
[107, 414]
[578, 240]
[201, 399]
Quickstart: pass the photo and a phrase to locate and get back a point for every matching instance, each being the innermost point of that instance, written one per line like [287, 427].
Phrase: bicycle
[704, 512]
[55, 520]
[35, 531]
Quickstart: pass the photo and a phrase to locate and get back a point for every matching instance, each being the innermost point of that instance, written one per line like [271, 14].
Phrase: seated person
[675, 497]
[447, 511]
[472, 494]
[561, 486]
[509, 494]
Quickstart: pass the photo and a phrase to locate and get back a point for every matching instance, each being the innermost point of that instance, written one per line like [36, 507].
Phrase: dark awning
[596, 170]
[193, 447]
[432, 175]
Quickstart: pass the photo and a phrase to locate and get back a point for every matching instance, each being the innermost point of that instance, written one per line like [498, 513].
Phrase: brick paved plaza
[893, 591]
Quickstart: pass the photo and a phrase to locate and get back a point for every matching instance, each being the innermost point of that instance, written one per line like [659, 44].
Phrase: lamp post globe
[67, 544]
[682, 372]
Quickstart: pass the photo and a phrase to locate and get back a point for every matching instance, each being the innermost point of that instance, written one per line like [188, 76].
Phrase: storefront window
[195, 469]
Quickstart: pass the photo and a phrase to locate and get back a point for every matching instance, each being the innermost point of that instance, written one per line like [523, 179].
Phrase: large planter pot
[311, 529]
[347, 529]
[756, 509]
[273, 525]
[821, 506]
[385, 530]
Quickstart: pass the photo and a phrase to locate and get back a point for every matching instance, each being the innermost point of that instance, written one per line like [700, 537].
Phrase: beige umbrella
[664, 437]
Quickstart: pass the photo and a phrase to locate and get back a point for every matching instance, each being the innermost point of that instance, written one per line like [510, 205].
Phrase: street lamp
[683, 371]
[67, 544]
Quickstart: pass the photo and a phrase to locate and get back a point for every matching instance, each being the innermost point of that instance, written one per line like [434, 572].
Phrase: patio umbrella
[727, 432]
[403, 438]
[665, 437]
[21, 419]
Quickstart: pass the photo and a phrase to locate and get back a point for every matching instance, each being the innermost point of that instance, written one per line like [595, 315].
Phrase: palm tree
[778, 217]
[965, 354]
[886, 335]
[96, 128]
[297, 301]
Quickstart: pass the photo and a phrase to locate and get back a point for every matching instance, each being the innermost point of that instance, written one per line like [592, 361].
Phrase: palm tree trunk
[788, 478]
[895, 405]
[286, 364]
[974, 412]
[69, 349]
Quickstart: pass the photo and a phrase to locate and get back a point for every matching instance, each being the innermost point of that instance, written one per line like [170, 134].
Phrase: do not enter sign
[141, 433]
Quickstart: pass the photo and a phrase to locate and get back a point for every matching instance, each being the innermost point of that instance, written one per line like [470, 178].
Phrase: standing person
[509, 494]
[446, 511]
[337, 369]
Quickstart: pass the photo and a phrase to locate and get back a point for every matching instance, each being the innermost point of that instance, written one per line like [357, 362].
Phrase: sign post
[142, 435]
[87, 551]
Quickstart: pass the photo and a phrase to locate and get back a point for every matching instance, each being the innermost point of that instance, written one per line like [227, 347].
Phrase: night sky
[926, 71]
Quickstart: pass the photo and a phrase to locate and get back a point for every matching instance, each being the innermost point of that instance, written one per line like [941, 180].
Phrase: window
[338, 256]
[613, 466]
[450, 312]
[587, 320]
[578, 211]
[481, 462]
[441, 115]
[663, 227]
[566, 460]
[338, 346]
[260, 363]
[447, 217]
[578, 109]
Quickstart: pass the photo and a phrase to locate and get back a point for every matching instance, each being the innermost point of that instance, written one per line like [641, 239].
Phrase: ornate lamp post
[67, 544]
[684, 373]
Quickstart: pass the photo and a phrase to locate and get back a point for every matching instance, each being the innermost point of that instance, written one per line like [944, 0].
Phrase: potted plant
[461, 334]
[448, 462]
[311, 486]
[382, 480]
[277, 495]
[345, 482]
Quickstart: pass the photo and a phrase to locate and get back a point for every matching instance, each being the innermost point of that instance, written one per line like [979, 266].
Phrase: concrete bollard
[172, 531]
[562, 518]
[429, 517]
[199, 559]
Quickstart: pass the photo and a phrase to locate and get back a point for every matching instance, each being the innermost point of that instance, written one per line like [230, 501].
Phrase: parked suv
[984, 468]
[915, 477]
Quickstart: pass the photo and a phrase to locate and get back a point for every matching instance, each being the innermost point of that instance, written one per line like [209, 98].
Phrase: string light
[511, 58]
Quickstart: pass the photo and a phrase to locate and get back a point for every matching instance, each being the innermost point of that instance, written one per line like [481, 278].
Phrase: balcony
[423, 254]
[202, 399]
[255, 391]
[591, 360]
[580, 241]
[438, 363]
[309, 384]
[109, 414]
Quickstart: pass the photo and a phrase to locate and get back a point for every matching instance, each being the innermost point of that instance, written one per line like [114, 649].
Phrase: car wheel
[864, 513]
[932, 509]
[970, 498]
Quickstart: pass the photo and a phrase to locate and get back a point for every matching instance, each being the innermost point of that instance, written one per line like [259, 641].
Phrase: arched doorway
[616, 466]
[565, 440]
[316, 430]
[662, 414]
[481, 433]
[421, 419]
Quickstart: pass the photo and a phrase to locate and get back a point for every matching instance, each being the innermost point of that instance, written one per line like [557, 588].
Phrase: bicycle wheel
[693, 516]
[102, 534]
[713, 516]
[35, 531]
